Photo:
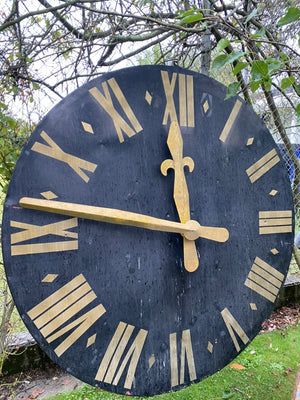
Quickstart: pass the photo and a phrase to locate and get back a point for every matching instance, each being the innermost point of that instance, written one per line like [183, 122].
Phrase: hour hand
[180, 192]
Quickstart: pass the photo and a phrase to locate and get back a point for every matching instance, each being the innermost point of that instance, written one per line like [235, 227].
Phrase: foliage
[13, 134]
[266, 369]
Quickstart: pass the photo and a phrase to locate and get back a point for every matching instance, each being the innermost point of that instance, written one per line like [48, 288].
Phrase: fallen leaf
[288, 371]
[237, 366]
[36, 393]
[66, 382]
[274, 373]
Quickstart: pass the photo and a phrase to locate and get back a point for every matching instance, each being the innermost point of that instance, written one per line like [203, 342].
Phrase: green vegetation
[265, 370]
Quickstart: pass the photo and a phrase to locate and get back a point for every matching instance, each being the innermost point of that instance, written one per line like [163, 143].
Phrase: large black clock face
[147, 305]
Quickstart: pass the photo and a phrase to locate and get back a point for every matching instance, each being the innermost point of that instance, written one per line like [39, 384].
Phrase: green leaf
[287, 82]
[273, 65]
[268, 83]
[219, 61]
[222, 44]
[298, 112]
[232, 90]
[191, 18]
[235, 56]
[297, 89]
[227, 395]
[239, 66]
[252, 14]
[259, 35]
[254, 85]
[292, 15]
[259, 69]
[35, 86]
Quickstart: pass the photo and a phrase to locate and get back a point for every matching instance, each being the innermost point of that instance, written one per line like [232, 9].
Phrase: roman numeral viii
[185, 95]
[30, 232]
[108, 370]
[106, 102]
[51, 315]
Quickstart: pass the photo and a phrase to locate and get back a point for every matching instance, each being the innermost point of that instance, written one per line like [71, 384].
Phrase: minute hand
[191, 229]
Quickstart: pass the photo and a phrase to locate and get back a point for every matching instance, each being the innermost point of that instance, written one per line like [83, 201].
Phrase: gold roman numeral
[233, 326]
[264, 279]
[230, 121]
[108, 370]
[51, 149]
[186, 353]
[106, 102]
[186, 98]
[30, 231]
[263, 165]
[51, 314]
[275, 222]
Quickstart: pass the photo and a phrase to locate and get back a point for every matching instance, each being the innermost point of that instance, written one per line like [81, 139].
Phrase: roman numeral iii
[185, 354]
[264, 279]
[186, 98]
[106, 102]
[30, 231]
[108, 370]
[51, 315]
[275, 222]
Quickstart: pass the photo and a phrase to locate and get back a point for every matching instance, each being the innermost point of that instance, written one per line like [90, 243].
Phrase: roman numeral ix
[30, 231]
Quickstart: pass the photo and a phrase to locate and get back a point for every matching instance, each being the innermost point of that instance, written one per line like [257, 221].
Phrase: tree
[53, 46]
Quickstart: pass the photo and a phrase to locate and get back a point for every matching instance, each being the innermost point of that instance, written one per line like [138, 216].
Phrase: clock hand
[180, 193]
[191, 229]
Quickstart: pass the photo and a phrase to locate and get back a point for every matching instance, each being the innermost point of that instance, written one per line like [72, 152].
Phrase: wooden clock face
[121, 304]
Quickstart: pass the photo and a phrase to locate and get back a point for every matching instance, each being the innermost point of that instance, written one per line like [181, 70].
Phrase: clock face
[142, 305]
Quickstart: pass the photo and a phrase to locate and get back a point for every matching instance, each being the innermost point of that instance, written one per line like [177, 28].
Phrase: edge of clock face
[115, 305]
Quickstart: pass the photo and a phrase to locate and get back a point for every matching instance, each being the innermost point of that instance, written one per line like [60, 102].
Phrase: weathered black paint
[138, 275]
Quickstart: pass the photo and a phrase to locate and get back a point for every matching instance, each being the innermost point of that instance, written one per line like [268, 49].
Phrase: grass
[265, 370]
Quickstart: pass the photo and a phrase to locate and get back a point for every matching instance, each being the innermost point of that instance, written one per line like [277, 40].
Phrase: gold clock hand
[191, 229]
[181, 194]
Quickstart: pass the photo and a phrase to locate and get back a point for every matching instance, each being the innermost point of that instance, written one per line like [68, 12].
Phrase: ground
[39, 384]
